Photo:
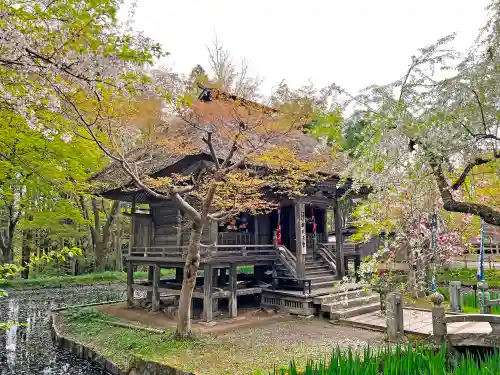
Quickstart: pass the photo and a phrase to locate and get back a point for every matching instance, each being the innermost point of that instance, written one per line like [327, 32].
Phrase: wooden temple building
[296, 251]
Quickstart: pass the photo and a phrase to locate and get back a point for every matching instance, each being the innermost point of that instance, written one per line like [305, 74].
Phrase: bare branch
[222, 215]
[233, 149]
[185, 207]
[483, 118]
[238, 164]
[488, 214]
[210, 145]
[477, 161]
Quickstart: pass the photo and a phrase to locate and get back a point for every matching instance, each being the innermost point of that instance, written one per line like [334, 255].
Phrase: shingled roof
[153, 159]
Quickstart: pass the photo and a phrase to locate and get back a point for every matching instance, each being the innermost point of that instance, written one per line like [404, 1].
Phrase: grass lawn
[468, 276]
[61, 281]
[86, 279]
[245, 350]
[470, 301]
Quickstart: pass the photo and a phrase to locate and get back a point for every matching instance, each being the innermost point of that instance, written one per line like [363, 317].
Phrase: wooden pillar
[207, 292]
[256, 230]
[216, 284]
[130, 281]
[131, 234]
[233, 301]
[214, 232]
[149, 294]
[300, 237]
[155, 303]
[339, 252]
[178, 240]
[324, 219]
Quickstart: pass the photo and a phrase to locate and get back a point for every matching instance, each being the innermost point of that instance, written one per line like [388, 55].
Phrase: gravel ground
[243, 351]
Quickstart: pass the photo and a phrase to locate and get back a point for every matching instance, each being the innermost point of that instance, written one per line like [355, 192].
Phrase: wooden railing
[231, 252]
[327, 252]
[173, 251]
[320, 238]
[239, 238]
[207, 252]
[288, 259]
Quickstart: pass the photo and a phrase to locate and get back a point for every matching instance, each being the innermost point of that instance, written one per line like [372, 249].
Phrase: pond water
[29, 350]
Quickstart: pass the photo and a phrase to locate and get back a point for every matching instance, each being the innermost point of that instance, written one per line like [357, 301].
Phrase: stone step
[317, 266]
[322, 284]
[353, 290]
[350, 302]
[320, 272]
[318, 279]
[354, 311]
[351, 294]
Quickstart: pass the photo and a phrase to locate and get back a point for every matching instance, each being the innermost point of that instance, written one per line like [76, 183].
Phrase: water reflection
[29, 350]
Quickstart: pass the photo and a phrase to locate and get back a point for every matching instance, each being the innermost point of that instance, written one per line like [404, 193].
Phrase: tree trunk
[6, 255]
[26, 253]
[189, 281]
[6, 243]
[99, 260]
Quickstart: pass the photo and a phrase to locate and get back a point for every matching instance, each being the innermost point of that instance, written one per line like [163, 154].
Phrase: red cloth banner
[278, 230]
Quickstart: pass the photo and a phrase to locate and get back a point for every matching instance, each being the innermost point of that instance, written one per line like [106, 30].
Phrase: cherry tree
[439, 120]
[401, 215]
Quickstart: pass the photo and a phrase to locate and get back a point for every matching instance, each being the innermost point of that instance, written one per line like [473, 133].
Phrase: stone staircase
[328, 295]
[347, 301]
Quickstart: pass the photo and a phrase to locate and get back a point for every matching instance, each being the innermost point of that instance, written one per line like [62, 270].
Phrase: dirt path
[252, 342]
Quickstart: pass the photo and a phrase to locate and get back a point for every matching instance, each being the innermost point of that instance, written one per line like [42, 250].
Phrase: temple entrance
[315, 222]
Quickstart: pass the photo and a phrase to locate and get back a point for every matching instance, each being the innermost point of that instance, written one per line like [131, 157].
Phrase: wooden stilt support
[233, 301]
[155, 303]
[130, 281]
[149, 294]
[207, 292]
[339, 252]
[216, 284]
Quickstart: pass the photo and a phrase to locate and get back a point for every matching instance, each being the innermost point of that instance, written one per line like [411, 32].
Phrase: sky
[353, 43]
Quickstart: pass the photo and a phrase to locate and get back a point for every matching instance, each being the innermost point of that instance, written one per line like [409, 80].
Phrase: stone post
[484, 296]
[394, 310]
[438, 317]
[456, 298]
